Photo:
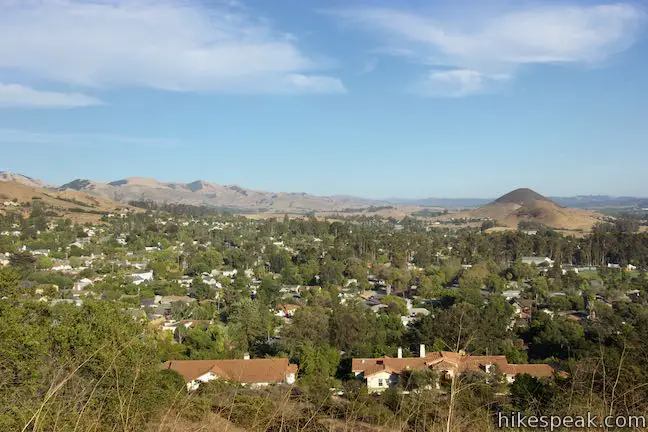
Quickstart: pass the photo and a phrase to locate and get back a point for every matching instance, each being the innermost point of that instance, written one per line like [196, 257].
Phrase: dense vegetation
[96, 366]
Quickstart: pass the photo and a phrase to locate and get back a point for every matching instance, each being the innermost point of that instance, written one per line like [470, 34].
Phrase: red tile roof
[272, 370]
[447, 361]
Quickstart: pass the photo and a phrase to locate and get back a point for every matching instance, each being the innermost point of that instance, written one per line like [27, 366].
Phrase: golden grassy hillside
[527, 205]
[78, 206]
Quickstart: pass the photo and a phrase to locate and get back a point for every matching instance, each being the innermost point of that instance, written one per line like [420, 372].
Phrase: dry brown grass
[78, 206]
[509, 215]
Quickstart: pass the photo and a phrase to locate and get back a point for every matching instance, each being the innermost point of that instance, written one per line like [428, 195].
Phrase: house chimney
[400, 352]
[246, 356]
[422, 351]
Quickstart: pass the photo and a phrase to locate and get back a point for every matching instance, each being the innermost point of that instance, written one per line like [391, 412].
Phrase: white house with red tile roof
[255, 372]
[382, 373]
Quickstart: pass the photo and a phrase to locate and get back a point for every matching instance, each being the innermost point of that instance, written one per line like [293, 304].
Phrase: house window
[380, 383]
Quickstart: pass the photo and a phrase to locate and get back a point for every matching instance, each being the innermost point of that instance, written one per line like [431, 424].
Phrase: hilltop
[526, 205]
[522, 196]
[7, 176]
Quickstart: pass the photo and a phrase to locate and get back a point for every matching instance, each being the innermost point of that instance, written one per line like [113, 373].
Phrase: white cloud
[457, 83]
[175, 45]
[314, 83]
[15, 95]
[497, 43]
[26, 137]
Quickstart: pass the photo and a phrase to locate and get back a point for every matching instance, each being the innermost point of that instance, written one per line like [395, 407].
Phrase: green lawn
[589, 274]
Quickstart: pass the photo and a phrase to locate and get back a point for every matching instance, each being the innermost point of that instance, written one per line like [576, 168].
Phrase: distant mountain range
[204, 193]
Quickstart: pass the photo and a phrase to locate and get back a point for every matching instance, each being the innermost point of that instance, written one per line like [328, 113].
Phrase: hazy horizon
[341, 194]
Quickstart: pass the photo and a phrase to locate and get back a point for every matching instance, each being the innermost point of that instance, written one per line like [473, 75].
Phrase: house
[511, 294]
[630, 268]
[80, 242]
[72, 301]
[548, 312]
[10, 233]
[413, 315]
[168, 300]
[633, 295]
[4, 260]
[613, 266]
[378, 307]
[224, 273]
[385, 372]
[286, 310]
[538, 261]
[212, 282]
[289, 289]
[171, 326]
[62, 267]
[81, 285]
[139, 278]
[255, 372]
[414, 312]
[185, 281]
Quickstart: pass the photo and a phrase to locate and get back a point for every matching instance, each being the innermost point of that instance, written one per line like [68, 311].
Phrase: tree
[530, 394]
[24, 262]
[204, 342]
[43, 263]
[278, 259]
[332, 273]
[250, 324]
[201, 291]
[309, 325]
[317, 365]
[268, 291]
[429, 287]
[290, 275]
[9, 282]
[308, 271]
[351, 329]
[98, 354]
[395, 304]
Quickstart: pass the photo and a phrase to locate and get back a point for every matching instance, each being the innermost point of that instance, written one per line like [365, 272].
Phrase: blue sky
[370, 98]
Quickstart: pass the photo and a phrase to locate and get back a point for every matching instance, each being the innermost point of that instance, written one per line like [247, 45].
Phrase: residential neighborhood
[341, 308]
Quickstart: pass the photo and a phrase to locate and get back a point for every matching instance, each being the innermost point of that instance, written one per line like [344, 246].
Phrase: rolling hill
[78, 206]
[520, 204]
[527, 205]
[6, 176]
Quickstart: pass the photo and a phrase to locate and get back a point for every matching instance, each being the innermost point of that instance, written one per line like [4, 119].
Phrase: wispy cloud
[470, 54]
[15, 95]
[369, 66]
[457, 83]
[174, 45]
[9, 137]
